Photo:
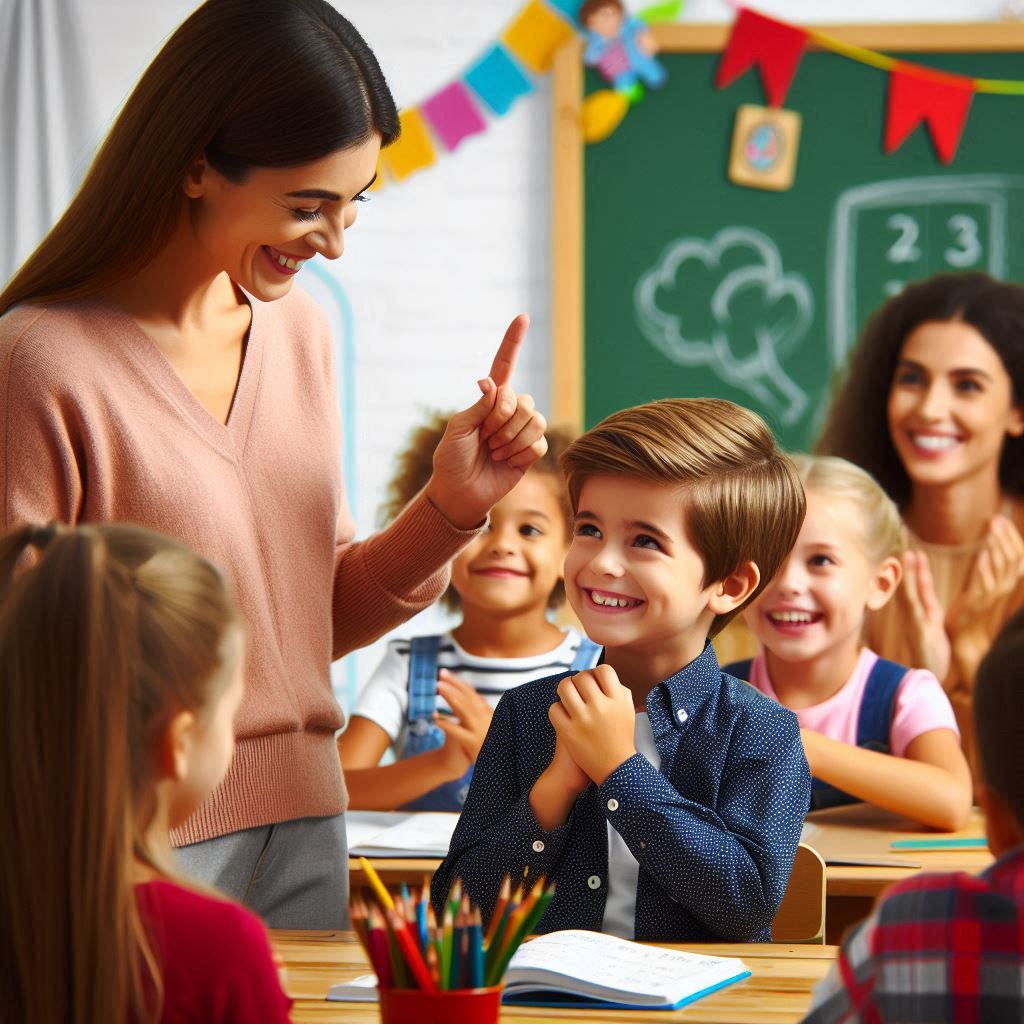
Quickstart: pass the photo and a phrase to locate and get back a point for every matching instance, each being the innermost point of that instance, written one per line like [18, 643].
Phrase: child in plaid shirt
[950, 947]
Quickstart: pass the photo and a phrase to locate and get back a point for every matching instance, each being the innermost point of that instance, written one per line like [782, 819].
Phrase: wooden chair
[801, 917]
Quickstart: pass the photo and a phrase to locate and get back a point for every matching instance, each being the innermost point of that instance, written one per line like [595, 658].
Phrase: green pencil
[446, 946]
[526, 926]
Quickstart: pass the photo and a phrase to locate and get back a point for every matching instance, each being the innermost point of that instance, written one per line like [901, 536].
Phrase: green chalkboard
[692, 285]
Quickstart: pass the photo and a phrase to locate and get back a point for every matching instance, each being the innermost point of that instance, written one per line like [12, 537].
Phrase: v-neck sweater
[98, 427]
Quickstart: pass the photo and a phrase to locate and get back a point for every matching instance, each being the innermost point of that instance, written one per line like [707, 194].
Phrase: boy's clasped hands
[594, 722]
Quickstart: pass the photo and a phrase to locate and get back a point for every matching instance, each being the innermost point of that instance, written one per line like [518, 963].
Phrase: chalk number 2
[965, 250]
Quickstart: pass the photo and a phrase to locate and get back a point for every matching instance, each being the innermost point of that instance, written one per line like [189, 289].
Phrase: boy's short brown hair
[999, 716]
[415, 464]
[741, 494]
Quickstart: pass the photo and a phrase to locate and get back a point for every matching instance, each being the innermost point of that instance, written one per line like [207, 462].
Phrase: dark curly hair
[857, 427]
[415, 463]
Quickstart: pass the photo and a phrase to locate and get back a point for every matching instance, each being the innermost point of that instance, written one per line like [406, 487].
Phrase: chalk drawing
[965, 245]
[695, 277]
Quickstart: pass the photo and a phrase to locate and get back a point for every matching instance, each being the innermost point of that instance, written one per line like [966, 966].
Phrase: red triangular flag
[775, 47]
[940, 100]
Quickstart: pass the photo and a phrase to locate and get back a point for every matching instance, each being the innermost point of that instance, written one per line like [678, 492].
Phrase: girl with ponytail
[120, 673]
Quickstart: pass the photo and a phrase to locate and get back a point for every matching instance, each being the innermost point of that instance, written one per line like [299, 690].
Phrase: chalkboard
[669, 280]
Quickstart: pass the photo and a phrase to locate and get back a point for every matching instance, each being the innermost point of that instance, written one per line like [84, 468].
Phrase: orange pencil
[503, 897]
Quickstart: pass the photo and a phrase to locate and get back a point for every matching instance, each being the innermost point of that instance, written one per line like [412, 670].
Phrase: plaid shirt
[939, 947]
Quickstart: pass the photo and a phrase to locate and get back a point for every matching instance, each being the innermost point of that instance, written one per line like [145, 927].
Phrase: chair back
[801, 917]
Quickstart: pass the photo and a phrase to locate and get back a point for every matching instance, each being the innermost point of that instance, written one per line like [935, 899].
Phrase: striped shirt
[385, 698]
[940, 947]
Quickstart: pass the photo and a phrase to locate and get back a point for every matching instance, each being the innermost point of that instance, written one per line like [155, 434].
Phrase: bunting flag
[412, 150]
[498, 80]
[916, 93]
[940, 100]
[452, 115]
[774, 47]
[535, 36]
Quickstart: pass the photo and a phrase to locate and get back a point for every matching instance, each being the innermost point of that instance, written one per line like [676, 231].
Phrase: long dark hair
[857, 427]
[245, 83]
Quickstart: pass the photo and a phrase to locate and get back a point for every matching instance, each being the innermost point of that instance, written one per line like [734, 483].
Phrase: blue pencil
[476, 950]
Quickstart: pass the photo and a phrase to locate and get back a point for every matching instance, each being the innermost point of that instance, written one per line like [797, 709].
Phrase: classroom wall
[439, 264]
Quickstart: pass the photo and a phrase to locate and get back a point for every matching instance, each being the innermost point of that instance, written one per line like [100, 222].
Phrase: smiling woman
[933, 407]
[158, 365]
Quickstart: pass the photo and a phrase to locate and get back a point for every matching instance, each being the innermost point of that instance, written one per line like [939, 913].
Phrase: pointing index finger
[505, 359]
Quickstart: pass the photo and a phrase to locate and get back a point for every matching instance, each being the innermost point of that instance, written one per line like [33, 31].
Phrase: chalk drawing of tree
[729, 305]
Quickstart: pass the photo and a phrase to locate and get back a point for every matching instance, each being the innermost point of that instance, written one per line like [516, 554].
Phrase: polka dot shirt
[714, 830]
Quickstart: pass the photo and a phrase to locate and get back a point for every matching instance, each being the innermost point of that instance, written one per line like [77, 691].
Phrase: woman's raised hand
[929, 640]
[996, 571]
[487, 448]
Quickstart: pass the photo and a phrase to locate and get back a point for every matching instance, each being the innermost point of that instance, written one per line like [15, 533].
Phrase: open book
[590, 969]
[399, 833]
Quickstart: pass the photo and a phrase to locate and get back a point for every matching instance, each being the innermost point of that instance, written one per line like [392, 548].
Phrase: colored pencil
[380, 957]
[504, 894]
[407, 945]
[476, 951]
[378, 886]
[446, 946]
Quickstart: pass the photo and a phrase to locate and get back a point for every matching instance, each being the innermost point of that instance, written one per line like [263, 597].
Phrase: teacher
[157, 366]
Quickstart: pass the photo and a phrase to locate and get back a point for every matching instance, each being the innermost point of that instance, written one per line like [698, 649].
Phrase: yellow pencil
[378, 886]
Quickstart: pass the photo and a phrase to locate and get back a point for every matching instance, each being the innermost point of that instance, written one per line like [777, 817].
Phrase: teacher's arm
[41, 454]
[486, 449]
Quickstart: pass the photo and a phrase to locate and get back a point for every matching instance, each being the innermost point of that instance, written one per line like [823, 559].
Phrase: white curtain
[46, 121]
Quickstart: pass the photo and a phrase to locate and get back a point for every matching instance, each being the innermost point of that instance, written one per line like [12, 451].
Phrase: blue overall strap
[422, 678]
[876, 708]
[873, 724]
[423, 735]
[588, 654]
[739, 669]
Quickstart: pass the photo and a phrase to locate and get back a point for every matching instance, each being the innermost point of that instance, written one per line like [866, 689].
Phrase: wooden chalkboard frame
[567, 363]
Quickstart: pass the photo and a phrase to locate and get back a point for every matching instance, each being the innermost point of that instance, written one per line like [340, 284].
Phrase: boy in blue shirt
[663, 797]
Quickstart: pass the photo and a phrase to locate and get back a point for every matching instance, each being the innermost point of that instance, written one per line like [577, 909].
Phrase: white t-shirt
[623, 867]
[385, 698]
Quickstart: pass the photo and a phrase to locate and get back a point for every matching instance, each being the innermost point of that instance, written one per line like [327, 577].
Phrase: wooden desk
[853, 832]
[778, 992]
[864, 832]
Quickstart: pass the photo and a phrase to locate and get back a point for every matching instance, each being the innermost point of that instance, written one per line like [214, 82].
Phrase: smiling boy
[663, 797]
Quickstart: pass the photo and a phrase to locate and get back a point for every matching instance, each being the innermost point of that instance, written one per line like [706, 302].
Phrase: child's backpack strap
[588, 654]
[739, 669]
[873, 724]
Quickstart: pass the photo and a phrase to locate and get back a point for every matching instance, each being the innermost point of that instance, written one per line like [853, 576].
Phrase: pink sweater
[97, 427]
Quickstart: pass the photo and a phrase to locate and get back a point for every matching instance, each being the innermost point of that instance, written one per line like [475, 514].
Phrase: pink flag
[453, 115]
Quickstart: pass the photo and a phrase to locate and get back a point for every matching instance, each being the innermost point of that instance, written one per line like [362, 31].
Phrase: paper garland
[916, 94]
[491, 85]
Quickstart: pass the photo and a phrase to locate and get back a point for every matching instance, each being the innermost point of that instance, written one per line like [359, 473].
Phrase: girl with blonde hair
[121, 658]
[872, 730]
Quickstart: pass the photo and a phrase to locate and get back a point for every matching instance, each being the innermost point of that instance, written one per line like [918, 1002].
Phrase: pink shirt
[921, 705]
[98, 427]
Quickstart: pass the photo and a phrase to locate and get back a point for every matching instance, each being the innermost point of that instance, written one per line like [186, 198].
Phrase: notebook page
[603, 965]
[424, 832]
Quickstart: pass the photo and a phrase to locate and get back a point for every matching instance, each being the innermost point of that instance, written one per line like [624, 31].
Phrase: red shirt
[215, 958]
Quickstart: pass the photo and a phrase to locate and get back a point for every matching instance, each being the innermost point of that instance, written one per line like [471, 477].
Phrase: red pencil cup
[456, 1006]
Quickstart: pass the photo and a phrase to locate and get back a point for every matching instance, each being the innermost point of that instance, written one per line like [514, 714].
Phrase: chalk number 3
[965, 251]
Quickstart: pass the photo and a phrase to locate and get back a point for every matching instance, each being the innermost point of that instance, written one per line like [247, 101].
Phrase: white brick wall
[438, 265]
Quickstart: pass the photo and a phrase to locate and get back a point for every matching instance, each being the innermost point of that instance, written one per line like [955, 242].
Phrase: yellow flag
[535, 36]
[413, 151]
